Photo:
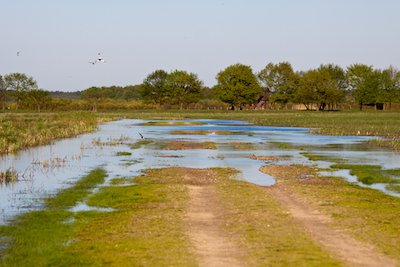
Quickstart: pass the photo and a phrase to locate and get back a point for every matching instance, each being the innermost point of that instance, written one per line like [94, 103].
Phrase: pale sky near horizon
[57, 38]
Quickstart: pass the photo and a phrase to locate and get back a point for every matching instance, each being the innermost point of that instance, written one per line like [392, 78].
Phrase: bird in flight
[18, 53]
[99, 59]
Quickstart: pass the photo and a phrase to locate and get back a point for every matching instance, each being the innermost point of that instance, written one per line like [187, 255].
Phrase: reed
[23, 130]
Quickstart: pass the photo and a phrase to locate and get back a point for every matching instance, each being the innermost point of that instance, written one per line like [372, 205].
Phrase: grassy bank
[368, 214]
[22, 130]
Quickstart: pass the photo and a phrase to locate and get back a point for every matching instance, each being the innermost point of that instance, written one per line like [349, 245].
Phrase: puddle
[47, 169]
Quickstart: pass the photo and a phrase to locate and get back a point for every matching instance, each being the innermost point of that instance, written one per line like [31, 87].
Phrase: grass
[369, 215]
[371, 174]
[141, 143]
[146, 228]
[123, 153]
[243, 146]
[19, 131]
[183, 145]
[262, 226]
[41, 238]
[316, 157]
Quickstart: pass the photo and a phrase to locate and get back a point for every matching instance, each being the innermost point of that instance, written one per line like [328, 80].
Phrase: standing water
[39, 172]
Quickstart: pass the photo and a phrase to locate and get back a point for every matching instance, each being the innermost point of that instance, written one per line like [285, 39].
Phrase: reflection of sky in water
[45, 170]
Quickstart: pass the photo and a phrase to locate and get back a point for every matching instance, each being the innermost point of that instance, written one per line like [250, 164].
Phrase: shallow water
[45, 170]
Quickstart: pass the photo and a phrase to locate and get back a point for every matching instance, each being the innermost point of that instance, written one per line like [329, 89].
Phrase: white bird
[99, 59]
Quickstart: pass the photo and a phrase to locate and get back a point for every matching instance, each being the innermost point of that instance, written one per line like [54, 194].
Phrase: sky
[56, 39]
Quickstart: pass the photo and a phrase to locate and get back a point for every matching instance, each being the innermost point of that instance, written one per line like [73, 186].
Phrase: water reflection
[45, 170]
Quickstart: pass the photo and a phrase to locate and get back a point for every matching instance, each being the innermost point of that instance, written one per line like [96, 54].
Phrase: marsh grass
[316, 157]
[19, 131]
[184, 145]
[41, 238]
[371, 174]
[123, 153]
[147, 228]
[9, 176]
[142, 143]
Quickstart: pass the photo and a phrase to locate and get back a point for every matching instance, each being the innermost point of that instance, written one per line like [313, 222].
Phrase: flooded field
[124, 148]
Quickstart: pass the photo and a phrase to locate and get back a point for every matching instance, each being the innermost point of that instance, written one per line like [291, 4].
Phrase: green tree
[183, 88]
[37, 98]
[3, 90]
[279, 82]
[93, 95]
[390, 87]
[154, 88]
[334, 87]
[316, 87]
[19, 83]
[237, 86]
[364, 83]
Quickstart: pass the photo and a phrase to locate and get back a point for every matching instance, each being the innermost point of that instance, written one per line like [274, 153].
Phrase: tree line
[327, 87]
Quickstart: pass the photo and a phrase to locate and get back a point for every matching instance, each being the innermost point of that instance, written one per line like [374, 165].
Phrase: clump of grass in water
[315, 157]
[141, 143]
[370, 174]
[9, 176]
[124, 153]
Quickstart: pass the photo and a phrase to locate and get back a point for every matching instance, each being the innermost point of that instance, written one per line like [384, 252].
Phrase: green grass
[369, 215]
[316, 157]
[142, 143]
[124, 153]
[145, 229]
[262, 226]
[41, 238]
[19, 131]
[371, 174]
[69, 197]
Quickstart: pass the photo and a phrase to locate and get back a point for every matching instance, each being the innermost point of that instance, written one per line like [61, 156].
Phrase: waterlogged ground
[127, 147]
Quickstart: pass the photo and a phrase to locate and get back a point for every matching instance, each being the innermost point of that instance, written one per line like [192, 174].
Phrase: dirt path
[205, 227]
[338, 243]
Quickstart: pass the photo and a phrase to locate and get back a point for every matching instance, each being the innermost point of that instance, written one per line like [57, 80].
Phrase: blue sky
[57, 38]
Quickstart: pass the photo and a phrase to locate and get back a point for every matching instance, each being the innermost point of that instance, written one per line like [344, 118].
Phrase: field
[209, 217]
